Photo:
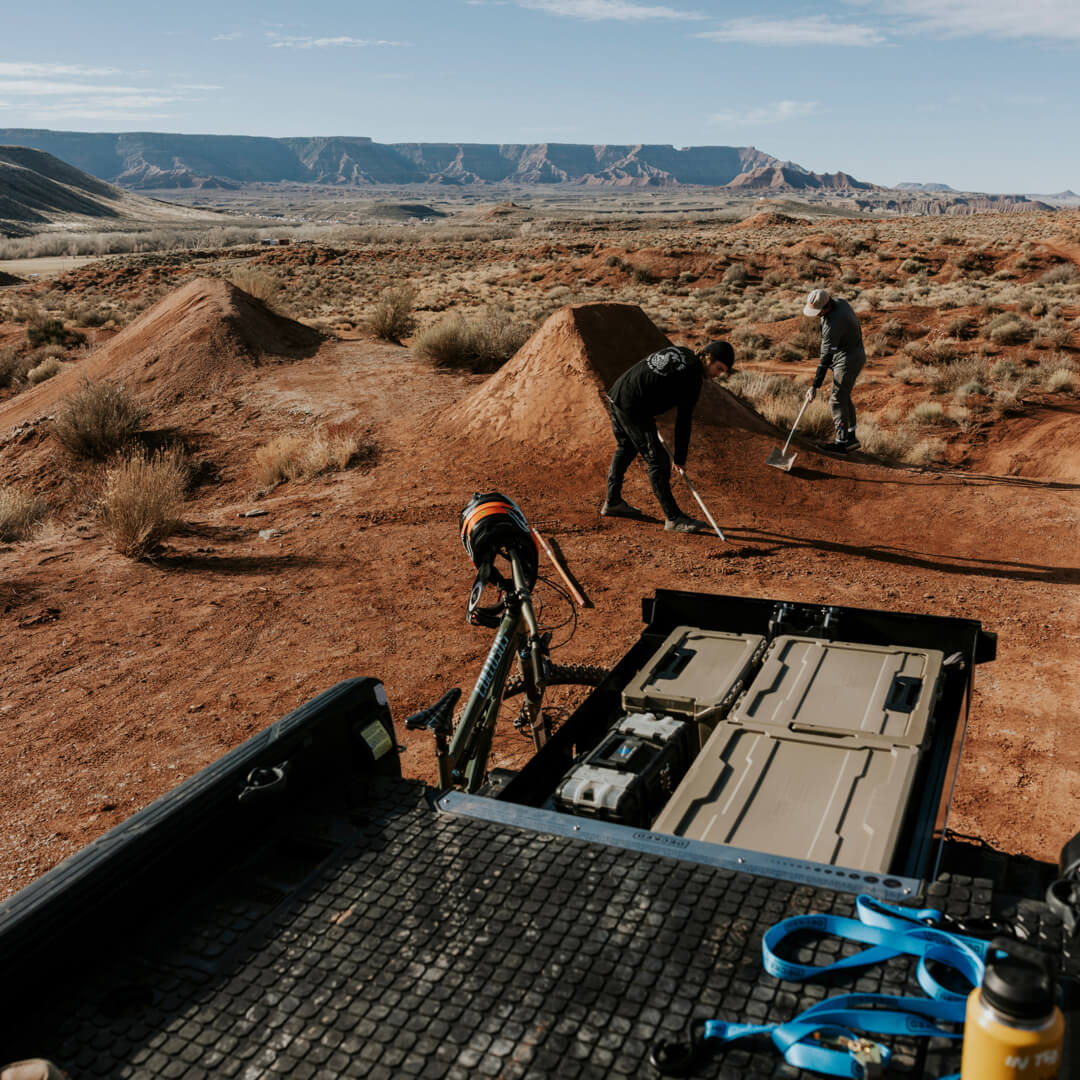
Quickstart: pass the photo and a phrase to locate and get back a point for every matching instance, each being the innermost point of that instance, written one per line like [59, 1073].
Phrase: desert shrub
[1062, 274]
[735, 275]
[98, 419]
[750, 339]
[928, 412]
[1008, 329]
[912, 266]
[908, 373]
[19, 511]
[329, 449]
[481, 344]
[928, 451]
[1004, 370]
[779, 399]
[45, 370]
[142, 498]
[1062, 381]
[1054, 334]
[808, 337]
[948, 377]
[968, 390]
[392, 316]
[258, 283]
[53, 332]
[887, 442]
[14, 365]
[643, 276]
[893, 329]
[962, 328]
[1008, 400]
[279, 460]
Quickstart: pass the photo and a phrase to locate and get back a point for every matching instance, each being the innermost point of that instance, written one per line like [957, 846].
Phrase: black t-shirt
[668, 379]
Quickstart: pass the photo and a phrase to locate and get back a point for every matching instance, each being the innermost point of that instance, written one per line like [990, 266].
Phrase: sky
[983, 95]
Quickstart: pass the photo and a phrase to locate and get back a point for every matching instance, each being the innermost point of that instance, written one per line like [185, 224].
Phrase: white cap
[816, 301]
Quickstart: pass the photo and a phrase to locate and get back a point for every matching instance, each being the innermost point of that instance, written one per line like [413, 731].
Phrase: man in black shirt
[670, 378]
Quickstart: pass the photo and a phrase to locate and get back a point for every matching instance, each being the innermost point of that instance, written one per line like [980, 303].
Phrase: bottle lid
[1019, 983]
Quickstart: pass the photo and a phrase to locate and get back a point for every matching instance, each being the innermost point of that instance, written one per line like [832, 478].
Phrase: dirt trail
[123, 678]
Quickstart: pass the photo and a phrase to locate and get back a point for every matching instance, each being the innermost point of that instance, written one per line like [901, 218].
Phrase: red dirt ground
[123, 678]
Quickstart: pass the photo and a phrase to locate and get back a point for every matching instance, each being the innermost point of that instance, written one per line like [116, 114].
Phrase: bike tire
[562, 675]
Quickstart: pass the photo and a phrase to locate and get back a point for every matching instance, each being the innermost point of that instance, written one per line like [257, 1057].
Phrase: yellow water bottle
[1013, 1028]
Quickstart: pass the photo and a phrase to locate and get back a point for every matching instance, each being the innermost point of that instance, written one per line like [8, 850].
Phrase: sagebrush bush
[19, 511]
[53, 332]
[98, 419]
[330, 449]
[1008, 329]
[481, 344]
[142, 499]
[1062, 381]
[45, 370]
[928, 412]
[15, 363]
[927, 451]
[392, 316]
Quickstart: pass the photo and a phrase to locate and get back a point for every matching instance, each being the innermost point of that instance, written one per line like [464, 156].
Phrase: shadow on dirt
[949, 564]
[233, 564]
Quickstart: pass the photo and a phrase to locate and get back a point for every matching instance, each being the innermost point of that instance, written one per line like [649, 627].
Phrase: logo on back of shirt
[668, 361]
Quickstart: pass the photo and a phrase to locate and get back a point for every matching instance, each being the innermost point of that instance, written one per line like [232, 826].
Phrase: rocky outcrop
[959, 204]
[787, 176]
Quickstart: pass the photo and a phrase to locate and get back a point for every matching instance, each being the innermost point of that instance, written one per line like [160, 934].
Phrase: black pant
[635, 436]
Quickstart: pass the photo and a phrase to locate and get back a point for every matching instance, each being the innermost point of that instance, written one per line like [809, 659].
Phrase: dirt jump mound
[196, 338]
[551, 393]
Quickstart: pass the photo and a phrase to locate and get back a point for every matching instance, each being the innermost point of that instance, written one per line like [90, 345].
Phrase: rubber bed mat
[400, 941]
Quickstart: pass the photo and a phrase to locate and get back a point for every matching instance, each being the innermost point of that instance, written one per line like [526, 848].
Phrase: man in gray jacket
[842, 351]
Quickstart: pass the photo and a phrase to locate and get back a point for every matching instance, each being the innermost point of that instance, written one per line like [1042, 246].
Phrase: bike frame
[464, 764]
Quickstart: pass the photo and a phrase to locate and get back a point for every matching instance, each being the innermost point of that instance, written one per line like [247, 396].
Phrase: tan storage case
[696, 674]
[826, 800]
[883, 694]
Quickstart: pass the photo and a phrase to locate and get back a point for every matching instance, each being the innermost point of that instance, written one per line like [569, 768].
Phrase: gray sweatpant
[844, 373]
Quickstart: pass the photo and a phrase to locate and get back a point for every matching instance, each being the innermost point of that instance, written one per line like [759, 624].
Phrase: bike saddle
[437, 718]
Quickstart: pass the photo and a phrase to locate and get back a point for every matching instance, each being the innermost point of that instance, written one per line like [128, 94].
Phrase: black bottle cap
[1019, 983]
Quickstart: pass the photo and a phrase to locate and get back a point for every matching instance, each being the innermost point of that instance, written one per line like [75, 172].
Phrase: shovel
[781, 459]
[693, 491]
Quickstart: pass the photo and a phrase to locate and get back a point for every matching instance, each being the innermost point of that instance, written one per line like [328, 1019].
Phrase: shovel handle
[562, 573]
[693, 491]
[791, 434]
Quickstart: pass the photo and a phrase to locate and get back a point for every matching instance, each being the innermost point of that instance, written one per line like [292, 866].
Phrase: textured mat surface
[404, 942]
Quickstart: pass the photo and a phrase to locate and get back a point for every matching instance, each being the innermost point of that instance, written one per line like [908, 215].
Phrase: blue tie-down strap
[831, 1036]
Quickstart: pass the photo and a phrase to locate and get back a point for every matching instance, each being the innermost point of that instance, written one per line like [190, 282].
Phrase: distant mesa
[911, 186]
[158, 160]
[789, 177]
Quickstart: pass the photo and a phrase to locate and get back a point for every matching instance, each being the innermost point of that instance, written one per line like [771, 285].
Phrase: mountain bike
[493, 528]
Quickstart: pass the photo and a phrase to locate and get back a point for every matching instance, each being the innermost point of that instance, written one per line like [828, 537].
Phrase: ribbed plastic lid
[1018, 986]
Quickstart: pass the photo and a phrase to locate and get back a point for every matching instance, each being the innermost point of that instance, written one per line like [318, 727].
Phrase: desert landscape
[332, 377]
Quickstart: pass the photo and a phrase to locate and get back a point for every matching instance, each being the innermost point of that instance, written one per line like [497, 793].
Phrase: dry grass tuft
[260, 284]
[19, 511]
[142, 498]
[98, 419]
[48, 367]
[927, 451]
[392, 316]
[330, 449]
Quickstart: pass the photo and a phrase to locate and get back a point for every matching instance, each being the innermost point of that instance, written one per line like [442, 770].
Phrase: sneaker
[686, 524]
[619, 508]
[840, 446]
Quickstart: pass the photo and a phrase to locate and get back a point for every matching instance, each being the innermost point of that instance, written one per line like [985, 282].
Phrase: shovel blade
[780, 461]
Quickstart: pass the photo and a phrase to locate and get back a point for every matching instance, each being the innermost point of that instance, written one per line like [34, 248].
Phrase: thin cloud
[807, 30]
[30, 70]
[1054, 20]
[778, 112]
[46, 88]
[341, 41]
[602, 10]
[228, 37]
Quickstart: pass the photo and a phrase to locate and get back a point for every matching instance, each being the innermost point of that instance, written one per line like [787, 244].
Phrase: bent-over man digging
[668, 379]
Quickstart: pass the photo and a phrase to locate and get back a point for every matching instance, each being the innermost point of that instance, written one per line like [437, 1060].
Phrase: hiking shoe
[619, 508]
[840, 446]
[686, 524]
